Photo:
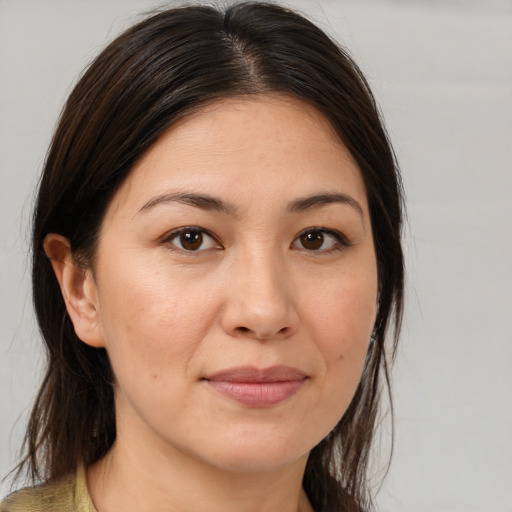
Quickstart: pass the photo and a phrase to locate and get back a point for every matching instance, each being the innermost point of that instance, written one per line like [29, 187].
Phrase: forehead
[247, 149]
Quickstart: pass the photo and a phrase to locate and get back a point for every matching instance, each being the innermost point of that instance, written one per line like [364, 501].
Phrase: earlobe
[78, 290]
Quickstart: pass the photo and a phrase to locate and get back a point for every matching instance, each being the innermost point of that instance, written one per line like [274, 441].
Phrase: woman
[216, 261]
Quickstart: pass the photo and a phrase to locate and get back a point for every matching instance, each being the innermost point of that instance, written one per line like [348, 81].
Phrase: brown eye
[320, 240]
[312, 241]
[191, 240]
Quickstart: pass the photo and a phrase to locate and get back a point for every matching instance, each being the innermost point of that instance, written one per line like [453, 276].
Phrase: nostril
[246, 330]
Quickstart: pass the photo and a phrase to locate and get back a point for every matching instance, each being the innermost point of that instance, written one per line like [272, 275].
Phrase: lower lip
[257, 394]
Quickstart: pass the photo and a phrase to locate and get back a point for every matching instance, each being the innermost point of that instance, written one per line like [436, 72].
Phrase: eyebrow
[319, 200]
[202, 201]
[210, 203]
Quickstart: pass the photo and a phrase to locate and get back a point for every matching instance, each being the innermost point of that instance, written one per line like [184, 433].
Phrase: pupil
[312, 240]
[191, 240]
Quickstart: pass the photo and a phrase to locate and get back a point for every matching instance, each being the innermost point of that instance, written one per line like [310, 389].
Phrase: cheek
[342, 313]
[341, 318]
[151, 319]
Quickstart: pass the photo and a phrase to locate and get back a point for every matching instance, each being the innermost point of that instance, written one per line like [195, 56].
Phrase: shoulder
[56, 497]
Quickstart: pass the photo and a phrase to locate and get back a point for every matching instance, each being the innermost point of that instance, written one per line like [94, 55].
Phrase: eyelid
[175, 233]
[342, 240]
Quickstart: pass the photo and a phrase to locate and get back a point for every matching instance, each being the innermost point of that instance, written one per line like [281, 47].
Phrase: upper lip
[279, 373]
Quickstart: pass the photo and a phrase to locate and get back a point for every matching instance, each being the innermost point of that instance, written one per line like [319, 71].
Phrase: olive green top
[67, 495]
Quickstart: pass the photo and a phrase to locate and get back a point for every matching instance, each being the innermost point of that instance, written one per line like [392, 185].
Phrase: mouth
[257, 388]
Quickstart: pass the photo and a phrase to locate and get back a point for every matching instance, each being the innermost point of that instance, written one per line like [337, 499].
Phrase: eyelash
[341, 240]
[173, 235]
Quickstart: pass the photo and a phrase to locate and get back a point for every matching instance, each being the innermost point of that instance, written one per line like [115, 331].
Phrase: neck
[158, 478]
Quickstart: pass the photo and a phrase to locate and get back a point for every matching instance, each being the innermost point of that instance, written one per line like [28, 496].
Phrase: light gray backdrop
[442, 72]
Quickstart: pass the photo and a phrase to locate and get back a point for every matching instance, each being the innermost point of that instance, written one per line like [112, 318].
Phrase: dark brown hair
[164, 68]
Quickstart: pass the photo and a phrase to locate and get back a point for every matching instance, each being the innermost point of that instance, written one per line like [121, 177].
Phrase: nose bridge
[260, 300]
[265, 279]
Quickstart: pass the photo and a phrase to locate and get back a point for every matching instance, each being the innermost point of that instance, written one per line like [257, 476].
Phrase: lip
[255, 387]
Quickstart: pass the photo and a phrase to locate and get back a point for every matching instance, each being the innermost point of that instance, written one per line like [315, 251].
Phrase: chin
[259, 456]
[245, 463]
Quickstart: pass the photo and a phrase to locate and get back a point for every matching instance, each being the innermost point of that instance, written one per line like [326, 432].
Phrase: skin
[253, 292]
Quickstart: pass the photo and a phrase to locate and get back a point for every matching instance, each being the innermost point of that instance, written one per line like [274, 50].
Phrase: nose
[259, 300]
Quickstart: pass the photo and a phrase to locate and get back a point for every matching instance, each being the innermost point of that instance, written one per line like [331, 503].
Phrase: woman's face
[235, 286]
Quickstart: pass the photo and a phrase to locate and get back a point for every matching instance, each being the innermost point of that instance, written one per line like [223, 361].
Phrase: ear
[78, 289]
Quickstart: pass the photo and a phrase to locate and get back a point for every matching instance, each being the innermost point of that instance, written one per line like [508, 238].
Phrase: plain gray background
[442, 73]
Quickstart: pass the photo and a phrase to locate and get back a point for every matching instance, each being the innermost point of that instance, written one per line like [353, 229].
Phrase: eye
[320, 240]
[191, 239]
